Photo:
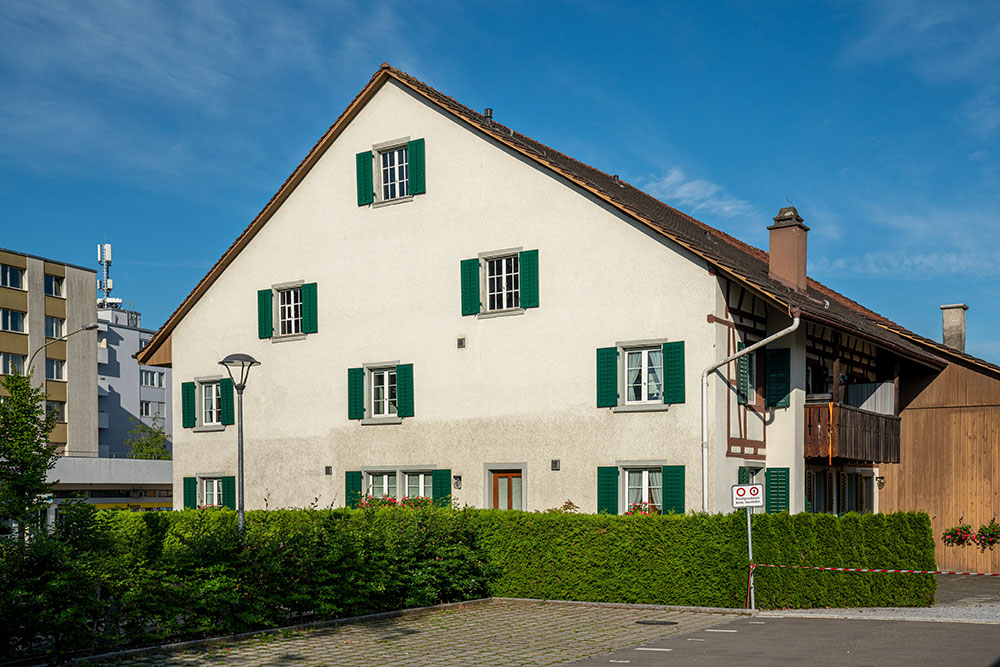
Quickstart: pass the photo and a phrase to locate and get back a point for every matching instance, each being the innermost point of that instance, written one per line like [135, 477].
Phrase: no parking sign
[748, 495]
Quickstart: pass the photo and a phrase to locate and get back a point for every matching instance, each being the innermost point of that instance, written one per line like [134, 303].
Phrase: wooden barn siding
[950, 462]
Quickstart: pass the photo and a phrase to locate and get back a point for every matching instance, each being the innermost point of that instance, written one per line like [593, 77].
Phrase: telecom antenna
[105, 286]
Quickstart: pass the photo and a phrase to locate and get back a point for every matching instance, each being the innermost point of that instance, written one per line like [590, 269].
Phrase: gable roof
[734, 258]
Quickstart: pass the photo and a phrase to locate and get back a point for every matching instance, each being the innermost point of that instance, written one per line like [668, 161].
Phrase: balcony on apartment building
[861, 427]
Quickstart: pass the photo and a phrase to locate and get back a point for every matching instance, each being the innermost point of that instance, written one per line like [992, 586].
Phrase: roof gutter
[704, 398]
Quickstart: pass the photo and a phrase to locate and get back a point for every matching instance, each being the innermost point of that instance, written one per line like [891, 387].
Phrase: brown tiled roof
[733, 257]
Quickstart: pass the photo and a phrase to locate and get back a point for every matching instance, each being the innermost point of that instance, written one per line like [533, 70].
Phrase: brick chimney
[953, 325]
[787, 248]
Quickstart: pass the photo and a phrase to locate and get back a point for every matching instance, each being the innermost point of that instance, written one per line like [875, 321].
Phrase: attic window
[391, 172]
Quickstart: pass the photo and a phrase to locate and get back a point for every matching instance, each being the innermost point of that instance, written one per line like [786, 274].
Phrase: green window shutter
[470, 287]
[528, 269]
[673, 372]
[226, 401]
[441, 487]
[415, 165]
[673, 489]
[264, 327]
[404, 390]
[352, 488]
[778, 377]
[366, 190]
[776, 490]
[744, 475]
[742, 376]
[607, 377]
[607, 490]
[190, 493]
[355, 393]
[188, 404]
[229, 492]
[309, 313]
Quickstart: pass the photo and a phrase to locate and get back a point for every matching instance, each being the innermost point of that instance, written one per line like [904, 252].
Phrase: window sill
[23, 333]
[288, 338]
[390, 202]
[378, 421]
[642, 407]
[490, 314]
[209, 428]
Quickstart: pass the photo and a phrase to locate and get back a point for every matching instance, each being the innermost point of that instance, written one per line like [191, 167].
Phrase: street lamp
[86, 327]
[243, 363]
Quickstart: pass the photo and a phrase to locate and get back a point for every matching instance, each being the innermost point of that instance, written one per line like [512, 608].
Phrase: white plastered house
[444, 307]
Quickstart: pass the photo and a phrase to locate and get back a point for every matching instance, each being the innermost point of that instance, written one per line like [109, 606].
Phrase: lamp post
[243, 363]
[86, 327]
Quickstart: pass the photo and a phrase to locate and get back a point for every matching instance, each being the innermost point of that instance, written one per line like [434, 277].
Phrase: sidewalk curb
[871, 617]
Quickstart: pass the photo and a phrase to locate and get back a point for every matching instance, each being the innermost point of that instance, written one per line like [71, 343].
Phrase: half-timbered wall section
[746, 314]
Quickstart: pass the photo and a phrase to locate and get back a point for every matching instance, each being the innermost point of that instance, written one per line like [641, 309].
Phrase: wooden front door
[507, 490]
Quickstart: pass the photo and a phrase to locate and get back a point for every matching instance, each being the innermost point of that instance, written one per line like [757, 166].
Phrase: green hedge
[701, 560]
[115, 578]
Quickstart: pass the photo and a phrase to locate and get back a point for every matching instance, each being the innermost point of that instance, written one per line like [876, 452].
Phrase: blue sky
[164, 127]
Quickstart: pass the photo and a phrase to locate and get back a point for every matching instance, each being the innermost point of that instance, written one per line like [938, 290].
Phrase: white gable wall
[522, 393]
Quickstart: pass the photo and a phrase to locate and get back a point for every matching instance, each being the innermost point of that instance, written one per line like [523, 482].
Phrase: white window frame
[5, 272]
[645, 486]
[205, 388]
[6, 315]
[145, 408]
[58, 367]
[386, 402]
[502, 275]
[289, 301]
[59, 326]
[149, 378]
[382, 492]
[394, 178]
[425, 482]
[381, 186]
[7, 365]
[211, 487]
[643, 374]
[58, 282]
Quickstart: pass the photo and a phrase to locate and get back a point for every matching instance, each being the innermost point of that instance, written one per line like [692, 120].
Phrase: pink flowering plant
[409, 502]
[958, 536]
[641, 509]
[988, 535]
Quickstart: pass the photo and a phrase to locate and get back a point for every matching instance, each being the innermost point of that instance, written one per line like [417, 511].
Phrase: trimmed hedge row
[114, 578]
[701, 560]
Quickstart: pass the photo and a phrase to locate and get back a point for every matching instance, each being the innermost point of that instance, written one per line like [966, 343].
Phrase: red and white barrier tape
[862, 569]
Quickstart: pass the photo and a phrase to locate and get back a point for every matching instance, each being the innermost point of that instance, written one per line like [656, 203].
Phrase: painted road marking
[711, 630]
[690, 639]
[756, 622]
[620, 662]
[654, 649]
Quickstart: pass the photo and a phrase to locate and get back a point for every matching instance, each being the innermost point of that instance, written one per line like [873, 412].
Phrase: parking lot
[497, 632]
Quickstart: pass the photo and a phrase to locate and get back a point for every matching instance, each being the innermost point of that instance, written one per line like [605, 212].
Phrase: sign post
[749, 496]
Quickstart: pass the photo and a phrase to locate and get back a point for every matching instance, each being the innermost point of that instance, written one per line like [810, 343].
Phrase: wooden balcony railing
[857, 435]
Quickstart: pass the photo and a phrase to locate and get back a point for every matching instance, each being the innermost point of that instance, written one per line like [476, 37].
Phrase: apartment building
[127, 391]
[41, 302]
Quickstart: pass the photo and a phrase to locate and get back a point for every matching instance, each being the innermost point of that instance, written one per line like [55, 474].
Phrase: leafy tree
[26, 456]
[147, 441]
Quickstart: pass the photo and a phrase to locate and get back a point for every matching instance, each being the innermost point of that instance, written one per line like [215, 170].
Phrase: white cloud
[910, 265]
[696, 195]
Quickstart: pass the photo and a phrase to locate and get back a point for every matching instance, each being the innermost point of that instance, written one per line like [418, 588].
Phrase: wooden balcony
[856, 434]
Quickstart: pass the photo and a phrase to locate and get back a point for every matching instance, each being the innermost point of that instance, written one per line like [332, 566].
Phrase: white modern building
[444, 307]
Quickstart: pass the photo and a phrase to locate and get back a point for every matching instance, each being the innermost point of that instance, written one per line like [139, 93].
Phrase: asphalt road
[818, 641]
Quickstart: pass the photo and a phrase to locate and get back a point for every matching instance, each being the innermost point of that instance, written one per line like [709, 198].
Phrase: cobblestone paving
[498, 632]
